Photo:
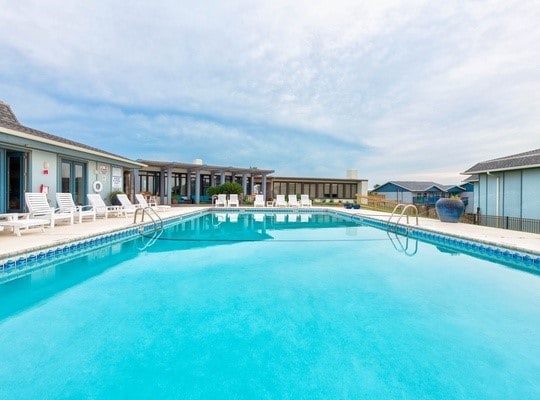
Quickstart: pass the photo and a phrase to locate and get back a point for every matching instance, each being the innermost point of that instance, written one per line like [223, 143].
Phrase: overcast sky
[398, 90]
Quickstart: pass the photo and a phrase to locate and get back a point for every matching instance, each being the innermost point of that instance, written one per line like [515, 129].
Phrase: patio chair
[293, 201]
[280, 201]
[101, 208]
[233, 201]
[65, 204]
[259, 201]
[38, 207]
[143, 203]
[127, 207]
[305, 201]
[221, 200]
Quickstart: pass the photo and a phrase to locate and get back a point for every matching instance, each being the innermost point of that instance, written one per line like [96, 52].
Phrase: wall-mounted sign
[104, 169]
[116, 182]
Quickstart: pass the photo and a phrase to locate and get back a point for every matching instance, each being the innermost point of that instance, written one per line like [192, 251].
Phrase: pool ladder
[157, 224]
[404, 208]
[152, 214]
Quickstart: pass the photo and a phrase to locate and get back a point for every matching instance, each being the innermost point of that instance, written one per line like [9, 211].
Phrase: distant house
[423, 193]
[508, 186]
[33, 160]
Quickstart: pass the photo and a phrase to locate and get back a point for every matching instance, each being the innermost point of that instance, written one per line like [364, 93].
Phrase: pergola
[197, 169]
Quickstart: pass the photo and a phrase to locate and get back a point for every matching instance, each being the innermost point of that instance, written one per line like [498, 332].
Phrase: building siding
[512, 194]
[531, 193]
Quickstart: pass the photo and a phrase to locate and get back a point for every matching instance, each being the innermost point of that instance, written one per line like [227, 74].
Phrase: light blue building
[33, 160]
[508, 186]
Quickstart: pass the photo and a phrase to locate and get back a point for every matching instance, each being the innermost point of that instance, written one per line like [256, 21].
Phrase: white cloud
[396, 89]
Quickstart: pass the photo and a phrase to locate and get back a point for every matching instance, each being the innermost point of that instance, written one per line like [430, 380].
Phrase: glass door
[16, 172]
[74, 180]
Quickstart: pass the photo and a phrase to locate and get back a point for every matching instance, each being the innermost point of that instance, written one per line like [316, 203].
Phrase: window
[73, 180]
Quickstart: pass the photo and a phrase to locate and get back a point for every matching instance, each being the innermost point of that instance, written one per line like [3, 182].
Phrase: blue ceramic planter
[449, 210]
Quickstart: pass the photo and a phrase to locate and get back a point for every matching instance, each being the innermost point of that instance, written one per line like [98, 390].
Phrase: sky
[397, 90]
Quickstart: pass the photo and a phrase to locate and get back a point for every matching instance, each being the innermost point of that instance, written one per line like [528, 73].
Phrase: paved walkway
[515, 240]
[34, 240]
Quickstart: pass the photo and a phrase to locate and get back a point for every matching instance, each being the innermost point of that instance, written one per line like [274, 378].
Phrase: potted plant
[112, 198]
[449, 209]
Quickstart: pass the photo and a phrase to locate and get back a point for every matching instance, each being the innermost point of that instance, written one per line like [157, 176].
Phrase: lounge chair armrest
[61, 211]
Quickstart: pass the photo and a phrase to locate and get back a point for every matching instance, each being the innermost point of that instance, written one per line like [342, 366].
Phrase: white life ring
[97, 186]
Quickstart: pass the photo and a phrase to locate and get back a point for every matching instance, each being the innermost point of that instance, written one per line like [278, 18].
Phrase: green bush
[226, 188]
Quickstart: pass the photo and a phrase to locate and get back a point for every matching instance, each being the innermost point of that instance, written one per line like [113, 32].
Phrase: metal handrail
[146, 211]
[404, 207]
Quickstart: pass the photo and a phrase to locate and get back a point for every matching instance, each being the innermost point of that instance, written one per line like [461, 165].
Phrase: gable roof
[12, 126]
[472, 178]
[529, 159]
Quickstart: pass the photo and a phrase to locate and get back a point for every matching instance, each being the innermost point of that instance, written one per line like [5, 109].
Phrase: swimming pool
[285, 305]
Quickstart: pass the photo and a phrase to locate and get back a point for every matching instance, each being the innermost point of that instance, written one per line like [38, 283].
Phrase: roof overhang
[205, 167]
[80, 149]
[485, 171]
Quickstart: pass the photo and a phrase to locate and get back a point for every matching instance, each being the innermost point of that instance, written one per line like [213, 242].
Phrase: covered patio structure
[191, 181]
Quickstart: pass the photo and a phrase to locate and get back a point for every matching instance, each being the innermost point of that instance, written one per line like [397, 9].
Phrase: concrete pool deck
[34, 239]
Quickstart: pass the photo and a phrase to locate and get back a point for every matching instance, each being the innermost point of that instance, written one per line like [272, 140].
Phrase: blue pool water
[282, 307]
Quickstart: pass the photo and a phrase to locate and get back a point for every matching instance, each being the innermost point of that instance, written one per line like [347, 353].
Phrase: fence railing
[511, 223]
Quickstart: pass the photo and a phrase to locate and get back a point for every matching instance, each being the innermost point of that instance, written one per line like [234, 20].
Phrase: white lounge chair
[280, 201]
[127, 206]
[305, 201]
[233, 201]
[221, 200]
[293, 201]
[15, 223]
[65, 204]
[38, 207]
[101, 208]
[143, 203]
[259, 201]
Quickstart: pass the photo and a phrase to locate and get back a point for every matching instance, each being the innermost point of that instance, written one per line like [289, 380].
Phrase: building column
[137, 181]
[188, 184]
[244, 184]
[169, 187]
[222, 180]
[197, 186]
[252, 185]
[263, 184]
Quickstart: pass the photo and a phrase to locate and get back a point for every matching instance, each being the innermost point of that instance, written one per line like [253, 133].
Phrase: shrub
[226, 188]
